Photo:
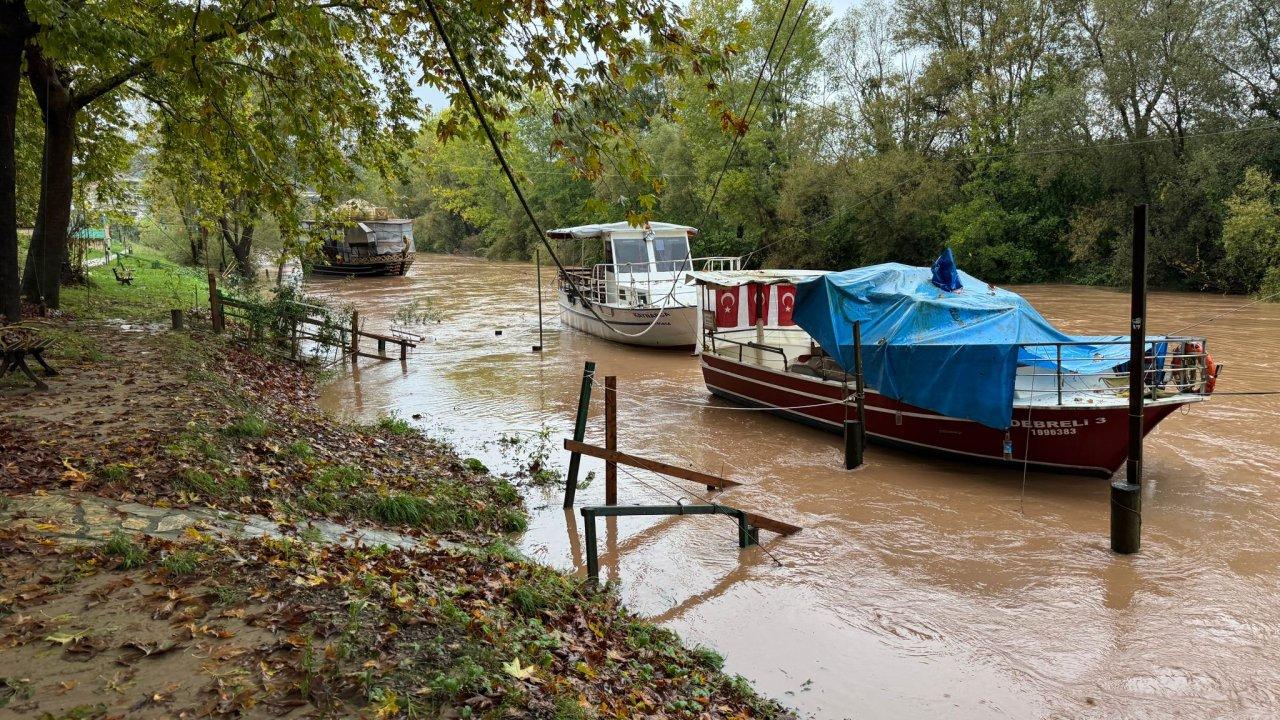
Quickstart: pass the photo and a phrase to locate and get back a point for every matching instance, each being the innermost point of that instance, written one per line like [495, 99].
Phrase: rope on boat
[645, 400]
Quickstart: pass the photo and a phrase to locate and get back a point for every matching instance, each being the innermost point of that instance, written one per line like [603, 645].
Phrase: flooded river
[918, 587]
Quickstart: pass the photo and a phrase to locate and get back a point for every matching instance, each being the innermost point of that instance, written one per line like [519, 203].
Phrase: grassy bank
[226, 626]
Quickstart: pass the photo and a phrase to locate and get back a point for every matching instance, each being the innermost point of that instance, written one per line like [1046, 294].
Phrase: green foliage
[1251, 232]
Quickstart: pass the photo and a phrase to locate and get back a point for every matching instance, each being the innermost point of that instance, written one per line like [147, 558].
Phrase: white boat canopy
[604, 230]
[734, 278]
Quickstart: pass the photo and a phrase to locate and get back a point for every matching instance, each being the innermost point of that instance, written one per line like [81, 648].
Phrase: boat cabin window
[671, 254]
[630, 251]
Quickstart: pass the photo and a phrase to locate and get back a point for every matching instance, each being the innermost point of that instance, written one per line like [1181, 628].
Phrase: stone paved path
[81, 518]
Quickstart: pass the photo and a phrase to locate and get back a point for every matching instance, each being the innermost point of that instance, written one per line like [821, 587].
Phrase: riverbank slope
[183, 531]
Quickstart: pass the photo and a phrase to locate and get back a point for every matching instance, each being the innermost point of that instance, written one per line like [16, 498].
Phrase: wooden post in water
[579, 432]
[537, 263]
[355, 335]
[1126, 494]
[215, 303]
[610, 438]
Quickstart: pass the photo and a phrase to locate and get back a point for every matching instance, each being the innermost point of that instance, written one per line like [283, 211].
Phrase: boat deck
[779, 350]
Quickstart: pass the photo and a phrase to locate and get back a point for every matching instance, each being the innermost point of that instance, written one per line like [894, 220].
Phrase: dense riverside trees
[1019, 132]
[266, 99]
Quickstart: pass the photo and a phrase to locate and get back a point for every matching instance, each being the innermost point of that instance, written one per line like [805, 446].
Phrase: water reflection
[918, 586]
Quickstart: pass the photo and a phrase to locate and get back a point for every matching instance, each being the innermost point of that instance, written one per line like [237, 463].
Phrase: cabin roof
[602, 230]
[734, 278]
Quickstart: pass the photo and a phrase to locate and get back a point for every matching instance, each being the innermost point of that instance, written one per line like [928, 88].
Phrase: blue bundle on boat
[954, 351]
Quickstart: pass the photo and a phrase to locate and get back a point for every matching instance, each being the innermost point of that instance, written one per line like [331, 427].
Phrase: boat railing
[751, 344]
[1180, 368]
[637, 284]
[1173, 366]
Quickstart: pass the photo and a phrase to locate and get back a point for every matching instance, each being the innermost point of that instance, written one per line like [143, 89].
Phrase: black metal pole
[537, 263]
[1126, 494]
[593, 560]
[860, 384]
[579, 432]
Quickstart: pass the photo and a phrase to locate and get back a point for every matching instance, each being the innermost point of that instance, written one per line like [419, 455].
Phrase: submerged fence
[290, 324]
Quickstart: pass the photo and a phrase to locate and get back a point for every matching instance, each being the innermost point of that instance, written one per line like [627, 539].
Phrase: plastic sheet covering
[956, 353]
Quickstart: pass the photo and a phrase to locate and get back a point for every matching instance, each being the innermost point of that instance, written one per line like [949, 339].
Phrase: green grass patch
[128, 553]
[115, 472]
[474, 465]
[158, 286]
[249, 427]
[181, 562]
[299, 449]
[203, 483]
[394, 424]
[402, 509]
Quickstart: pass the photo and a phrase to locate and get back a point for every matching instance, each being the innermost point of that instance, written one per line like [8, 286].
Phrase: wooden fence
[295, 323]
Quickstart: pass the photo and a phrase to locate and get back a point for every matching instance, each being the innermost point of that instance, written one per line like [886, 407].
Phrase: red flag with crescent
[786, 304]
[736, 307]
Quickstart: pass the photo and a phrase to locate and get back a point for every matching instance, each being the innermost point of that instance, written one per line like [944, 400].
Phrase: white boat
[639, 294]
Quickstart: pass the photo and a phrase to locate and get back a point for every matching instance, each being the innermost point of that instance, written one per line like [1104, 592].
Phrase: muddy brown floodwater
[918, 587]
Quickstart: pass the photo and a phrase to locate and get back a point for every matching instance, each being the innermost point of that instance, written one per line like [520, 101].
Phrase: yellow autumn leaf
[389, 706]
[514, 669]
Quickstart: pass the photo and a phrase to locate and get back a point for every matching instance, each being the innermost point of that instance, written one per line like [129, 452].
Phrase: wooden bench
[16, 343]
[124, 276]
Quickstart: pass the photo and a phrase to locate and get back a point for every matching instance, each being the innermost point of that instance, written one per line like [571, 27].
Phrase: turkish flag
[786, 304]
[736, 306]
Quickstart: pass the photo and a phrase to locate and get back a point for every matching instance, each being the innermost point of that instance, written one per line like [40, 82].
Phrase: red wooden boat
[1062, 421]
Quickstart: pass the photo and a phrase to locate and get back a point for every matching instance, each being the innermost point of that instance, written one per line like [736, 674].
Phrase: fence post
[355, 335]
[593, 560]
[579, 432]
[215, 303]
[175, 318]
[610, 438]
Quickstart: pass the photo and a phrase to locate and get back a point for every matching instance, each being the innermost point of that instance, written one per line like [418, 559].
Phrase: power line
[777, 30]
[430, 7]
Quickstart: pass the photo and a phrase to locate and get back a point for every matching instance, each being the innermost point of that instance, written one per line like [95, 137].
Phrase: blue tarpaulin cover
[956, 353]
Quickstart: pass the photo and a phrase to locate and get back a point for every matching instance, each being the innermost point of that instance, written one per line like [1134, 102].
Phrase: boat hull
[675, 327]
[393, 265]
[1082, 440]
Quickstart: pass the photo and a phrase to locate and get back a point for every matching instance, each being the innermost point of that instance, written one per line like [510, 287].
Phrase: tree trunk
[239, 237]
[40, 280]
[10, 82]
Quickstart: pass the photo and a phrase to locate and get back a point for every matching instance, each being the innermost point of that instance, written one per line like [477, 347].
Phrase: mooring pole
[610, 438]
[860, 384]
[579, 432]
[537, 260]
[855, 431]
[1126, 494]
